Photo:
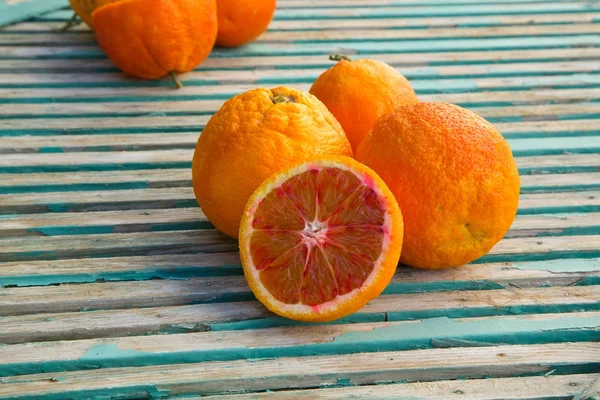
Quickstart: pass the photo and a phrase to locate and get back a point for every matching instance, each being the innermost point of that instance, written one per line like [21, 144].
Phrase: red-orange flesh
[317, 236]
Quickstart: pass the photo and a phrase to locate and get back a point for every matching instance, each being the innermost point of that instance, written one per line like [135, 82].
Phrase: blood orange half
[321, 239]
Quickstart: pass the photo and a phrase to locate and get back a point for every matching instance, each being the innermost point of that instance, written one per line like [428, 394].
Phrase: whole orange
[85, 8]
[254, 135]
[454, 177]
[358, 92]
[241, 21]
[151, 38]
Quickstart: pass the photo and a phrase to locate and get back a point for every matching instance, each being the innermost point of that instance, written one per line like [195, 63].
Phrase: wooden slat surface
[211, 377]
[113, 283]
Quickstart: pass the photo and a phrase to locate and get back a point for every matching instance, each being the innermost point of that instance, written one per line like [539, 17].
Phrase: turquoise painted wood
[114, 284]
[12, 11]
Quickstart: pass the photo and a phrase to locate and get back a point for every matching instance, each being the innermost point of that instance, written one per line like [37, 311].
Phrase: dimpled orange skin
[249, 139]
[241, 21]
[454, 177]
[150, 38]
[84, 9]
[360, 91]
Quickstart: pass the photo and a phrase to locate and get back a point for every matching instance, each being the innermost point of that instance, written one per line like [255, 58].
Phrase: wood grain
[58, 315]
[355, 369]
[534, 388]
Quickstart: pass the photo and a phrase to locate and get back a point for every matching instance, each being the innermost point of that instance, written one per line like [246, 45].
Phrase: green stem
[339, 57]
[175, 79]
[74, 21]
[280, 98]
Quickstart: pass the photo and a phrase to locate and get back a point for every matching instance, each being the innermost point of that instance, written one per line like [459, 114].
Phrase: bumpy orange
[85, 8]
[358, 92]
[151, 38]
[252, 136]
[454, 177]
[241, 21]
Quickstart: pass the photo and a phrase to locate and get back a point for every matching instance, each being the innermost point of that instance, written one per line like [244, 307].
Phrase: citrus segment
[319, 240]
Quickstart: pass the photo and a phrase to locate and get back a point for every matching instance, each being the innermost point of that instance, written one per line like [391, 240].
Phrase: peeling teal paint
[557, 169]
[69, 207]
[439, 286]
[57, 207]
[422, 332]
[46, 150]
[552, 210]
[105, 229]
[110, 352]
[151, 392]
[166, 273]
[75, 187]
[561, 188]
[276, 322]
[508, 330]
[466, 312]
[12, 12]
[472, 312]
[67, 230]
[99, 131]
[589, 281]
[91, 167]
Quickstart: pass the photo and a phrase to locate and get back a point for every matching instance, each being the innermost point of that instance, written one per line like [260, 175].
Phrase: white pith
[312, 233]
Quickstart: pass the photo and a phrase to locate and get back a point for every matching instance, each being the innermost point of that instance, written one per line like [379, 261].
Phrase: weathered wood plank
[125, 221]
[324, 48]
[376, 23]
[130, 268]
[479, 102]
[353, 369]
[198, 113]
[56, 315]
[183, 197]
[410, 11]
[182, 266]
[30, 358]
[545, 163]
[531, 388]
[274, 76]
[69, 143]
[177, 177]
[138, 90]
[327, 34]
[291, 61]
[209, 240]
[431, 33]
[142, 243]
[100, 201]
[52, 162]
